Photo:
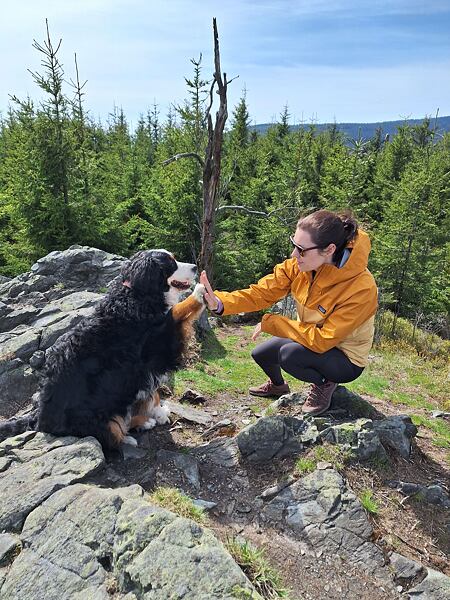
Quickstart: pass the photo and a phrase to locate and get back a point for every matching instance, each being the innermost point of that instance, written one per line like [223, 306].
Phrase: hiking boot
[269, 389]
[319, 398]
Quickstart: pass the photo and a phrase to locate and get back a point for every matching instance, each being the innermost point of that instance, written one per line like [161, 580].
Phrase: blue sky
[343, 60]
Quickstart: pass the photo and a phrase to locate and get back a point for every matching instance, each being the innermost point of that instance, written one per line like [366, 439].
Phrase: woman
[336, 299]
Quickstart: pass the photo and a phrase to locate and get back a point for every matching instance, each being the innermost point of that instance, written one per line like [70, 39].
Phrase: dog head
[152, 272]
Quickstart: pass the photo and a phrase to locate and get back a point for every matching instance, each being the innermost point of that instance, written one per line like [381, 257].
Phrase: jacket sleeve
[344, 319]
[263, 294]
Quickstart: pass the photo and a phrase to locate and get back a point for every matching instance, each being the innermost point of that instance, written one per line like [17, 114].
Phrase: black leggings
[304, 364]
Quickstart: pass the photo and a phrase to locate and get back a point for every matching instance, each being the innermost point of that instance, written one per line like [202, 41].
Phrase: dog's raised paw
[130, 440]
[199, 292]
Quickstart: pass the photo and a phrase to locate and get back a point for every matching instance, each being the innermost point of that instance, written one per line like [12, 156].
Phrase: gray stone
[322, 511]
[17, 388]
[85, 541]
[38, 359]
[435, 586]
[397, 433]
[223, 452]
[56, 330]
[405, 570]
[184, 463]
[22, 346]
[354, 405]
[205, 504]
[39, 465]
[189, 414]
[356, 436]
[22, 315]
[275, 436]
[10, 546]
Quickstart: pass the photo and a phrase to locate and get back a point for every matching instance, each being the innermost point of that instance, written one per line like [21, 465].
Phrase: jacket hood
[356, 263]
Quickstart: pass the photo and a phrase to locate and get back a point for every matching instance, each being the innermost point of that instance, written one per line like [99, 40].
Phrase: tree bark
[212, 164]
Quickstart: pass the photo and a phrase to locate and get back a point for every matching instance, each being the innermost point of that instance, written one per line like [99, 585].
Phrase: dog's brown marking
[141, 409]
[187, 309]
[118, 429]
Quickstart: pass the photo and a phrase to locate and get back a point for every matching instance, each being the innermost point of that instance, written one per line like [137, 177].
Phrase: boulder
[274, 437]
[322, 511]
[96, 543]
[35, 465]
[435, 586]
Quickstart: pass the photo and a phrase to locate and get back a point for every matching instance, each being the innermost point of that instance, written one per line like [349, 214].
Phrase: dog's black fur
[93, 373]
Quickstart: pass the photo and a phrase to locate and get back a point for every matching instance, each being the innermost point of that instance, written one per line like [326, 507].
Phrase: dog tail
[18, 425]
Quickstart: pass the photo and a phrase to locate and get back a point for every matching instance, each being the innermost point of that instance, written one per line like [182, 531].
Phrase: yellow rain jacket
[336, 308]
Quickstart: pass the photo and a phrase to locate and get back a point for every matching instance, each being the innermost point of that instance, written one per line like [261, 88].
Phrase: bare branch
[184, 155]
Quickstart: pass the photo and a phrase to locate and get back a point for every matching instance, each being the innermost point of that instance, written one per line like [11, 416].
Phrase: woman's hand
[256, 332]
[210, 299]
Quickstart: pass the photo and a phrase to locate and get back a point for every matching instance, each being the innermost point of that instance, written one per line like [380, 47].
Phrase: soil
[414, 529]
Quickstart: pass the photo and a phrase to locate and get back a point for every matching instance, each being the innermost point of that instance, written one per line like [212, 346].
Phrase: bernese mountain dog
[102, 377]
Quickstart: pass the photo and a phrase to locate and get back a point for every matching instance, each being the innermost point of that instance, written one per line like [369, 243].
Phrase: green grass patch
[253, 562]
[305, 465]
[177, 502]
[438, 426]
[369, 503]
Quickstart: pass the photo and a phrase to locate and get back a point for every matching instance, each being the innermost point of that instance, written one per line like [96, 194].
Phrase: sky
[335, 60]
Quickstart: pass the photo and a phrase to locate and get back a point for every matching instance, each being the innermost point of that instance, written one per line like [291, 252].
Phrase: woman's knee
[292, 353]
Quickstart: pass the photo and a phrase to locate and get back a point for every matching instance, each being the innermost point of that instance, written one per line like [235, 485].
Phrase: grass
[177, 502]
[335, 455]
[369, 503]
[265, 579]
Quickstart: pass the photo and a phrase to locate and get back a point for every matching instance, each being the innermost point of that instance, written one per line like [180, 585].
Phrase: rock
[52, 332]
[353, 405]
[189, 414]
[272, 491]
[397, 433]
[321, 510]
[222, 451]
[37, 465]
[10, 546]
[17, 387]
[23, 345]
[192, 397]
[356, 436]
[38, 359]
[435, 586]
[93, 543]
[406, 570]
[226, 427]
[17, 317]
[434, 494]
[187, 465]
[275, 436]
[205, 504]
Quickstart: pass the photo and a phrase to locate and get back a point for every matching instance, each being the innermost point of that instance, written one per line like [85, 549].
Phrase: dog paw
[199, 292]
[149, 424]
[161, 414]
[130, 440]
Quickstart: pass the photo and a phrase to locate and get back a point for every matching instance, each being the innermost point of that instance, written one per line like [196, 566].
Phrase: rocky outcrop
[37, 307]
[321, 511]
[83, 541]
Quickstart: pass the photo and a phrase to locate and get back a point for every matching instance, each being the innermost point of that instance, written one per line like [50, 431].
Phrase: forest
[66, 179]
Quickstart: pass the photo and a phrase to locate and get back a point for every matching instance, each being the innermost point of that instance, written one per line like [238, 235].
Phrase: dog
[101, 379]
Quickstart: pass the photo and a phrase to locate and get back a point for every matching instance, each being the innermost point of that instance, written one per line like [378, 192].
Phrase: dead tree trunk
[212, 163]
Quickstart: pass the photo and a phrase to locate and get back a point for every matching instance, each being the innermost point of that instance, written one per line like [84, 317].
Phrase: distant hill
[366, 130]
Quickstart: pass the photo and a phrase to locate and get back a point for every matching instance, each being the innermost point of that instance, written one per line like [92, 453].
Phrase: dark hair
[327, 227]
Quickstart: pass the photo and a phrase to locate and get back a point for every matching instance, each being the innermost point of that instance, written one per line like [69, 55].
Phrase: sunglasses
[300, 249]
